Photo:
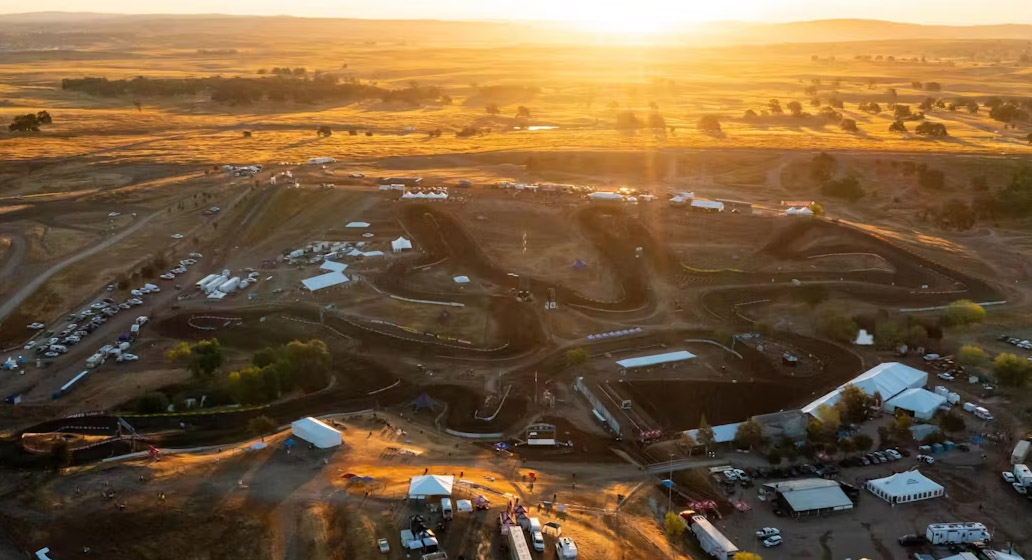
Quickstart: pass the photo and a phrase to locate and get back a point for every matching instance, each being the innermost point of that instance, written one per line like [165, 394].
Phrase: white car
[767, 532]
[167, 276]
[730, 474]
[1008, 477]
[30, 345]
[72, 339]
[87, 313]
[113, 214]
[51, 354]
[772, 541]
[124, 305]
[946, 377]
[155, 289]
[142, 320]
[98, 305]
[36, 326]
[1020, 488]
[196, 256]
[893, 454]
[740, 474]
[356, 175]
[136, 293]
[383, 546]
[130, 357]
[178, 270]
[926, 459]
[177, 236]
[135, 301]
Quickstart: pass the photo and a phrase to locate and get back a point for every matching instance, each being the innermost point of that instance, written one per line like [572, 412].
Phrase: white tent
[324, 280]
[605, 196]
[333, 266]
[909, 486]
[804, 211]
[400, 244]
[921, 402]
[461, 279]
[888, 380]
[430, 485]
[357, 225]
[864, 338]
[316, 432]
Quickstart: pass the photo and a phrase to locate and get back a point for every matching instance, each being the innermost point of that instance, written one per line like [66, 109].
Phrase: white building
[887, 380]
[316, 432]
[909, 486]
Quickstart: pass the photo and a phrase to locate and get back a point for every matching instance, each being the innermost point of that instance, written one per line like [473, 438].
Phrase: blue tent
[423, 401]
[578, 265]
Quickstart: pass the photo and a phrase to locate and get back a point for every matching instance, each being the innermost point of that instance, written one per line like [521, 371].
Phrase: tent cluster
[431, 195]
[613, 334]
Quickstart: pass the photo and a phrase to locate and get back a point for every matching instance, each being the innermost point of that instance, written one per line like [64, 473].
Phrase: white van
[135, 328]
[537, 539]
[446, 508]
[142, 320]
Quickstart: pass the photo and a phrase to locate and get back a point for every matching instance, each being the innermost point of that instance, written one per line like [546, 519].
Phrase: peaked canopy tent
[920, 402]
[400, 244]
[421, 487]
[909, 486]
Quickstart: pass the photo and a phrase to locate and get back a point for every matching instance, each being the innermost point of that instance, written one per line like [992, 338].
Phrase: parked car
[37, 326]
[1020, 488]
[730, 475]
[741, 475]
[892, 454]
[926, 459]
[912, 540]
[767, 532]
[383, 546]
[167, 276]
[30, 345]
[1008, 477]
[772, 541]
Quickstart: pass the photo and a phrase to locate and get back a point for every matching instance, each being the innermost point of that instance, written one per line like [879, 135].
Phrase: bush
[849, 125]
[576, 356]
[838, 326]
[972, 356]
[709, 124]
[673, 525]
[774, 457]
[261, 425]
[1012, 370]
[152, 403]
[952, 422]
[963, 312]
[847, 188]
[627, 120]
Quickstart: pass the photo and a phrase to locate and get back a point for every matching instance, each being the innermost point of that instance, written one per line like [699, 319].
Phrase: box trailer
[214, 283]
[1020, 452]
[712, 541]
[1023, 475]
[230, 285]
[957, 533]
[518, 547]
[200, 283]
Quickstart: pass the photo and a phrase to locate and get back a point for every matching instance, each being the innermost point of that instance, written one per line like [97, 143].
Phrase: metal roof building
[324, 280]
[655, 359]
[810, 496]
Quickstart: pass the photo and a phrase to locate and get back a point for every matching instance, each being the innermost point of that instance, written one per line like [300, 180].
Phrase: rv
[446, 508]
[536, 538]
[1020, 452]
[518, 549]
[565, 549]
[95, 360]
[1023, 475]
[957, 533]
[712, 541]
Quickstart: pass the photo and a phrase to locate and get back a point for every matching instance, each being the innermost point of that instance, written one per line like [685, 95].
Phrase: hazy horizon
[648, 15]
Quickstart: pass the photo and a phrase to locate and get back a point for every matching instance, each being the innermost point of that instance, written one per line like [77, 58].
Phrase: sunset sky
[636, 15]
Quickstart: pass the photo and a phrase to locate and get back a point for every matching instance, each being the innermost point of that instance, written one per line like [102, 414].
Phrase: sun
[622, 22]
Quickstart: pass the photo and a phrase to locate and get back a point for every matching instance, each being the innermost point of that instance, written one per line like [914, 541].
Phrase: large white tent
[430, 485]
[316, 432]
[908, 486]
[324, 280]
[400, 244]
[921, 402]
[888, 380]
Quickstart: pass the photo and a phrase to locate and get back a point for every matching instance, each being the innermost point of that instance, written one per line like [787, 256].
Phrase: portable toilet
[937, 448]
[948, 445]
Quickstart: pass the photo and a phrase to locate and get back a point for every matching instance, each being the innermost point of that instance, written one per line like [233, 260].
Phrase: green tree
[709, 124]
[1012, 370]
[847, 188]
[888, 334]
[811, 294]
[963, 312]
[688, 442]
[201, 358]
[522, 112]
[673, 525]
[952, 423]
[838, 326]
[492, 109]
[817, 208]
[749, 435]
[576, 356]
[972, 356]
[152, 403]
[917, 335]
[774, 457]
[747, 556]
[705, 434]
[899, 428]
[795, 108]
[898, 126]
[854, 404]
[863, 442]
[309, 363]
[822, 167]
[261, 425]
[849, 125]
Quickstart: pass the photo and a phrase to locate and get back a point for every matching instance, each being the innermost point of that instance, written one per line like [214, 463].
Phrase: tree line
[244, 91]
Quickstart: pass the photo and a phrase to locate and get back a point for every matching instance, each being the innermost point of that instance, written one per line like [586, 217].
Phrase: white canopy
[909, 486]
[921, 402]
[461, 279]
[333, 266]
[602, 195]
[357, 225]
[400, 244]
[804, 211]
[431, 485]
[864, 338]
[316, 432]
[324, 280]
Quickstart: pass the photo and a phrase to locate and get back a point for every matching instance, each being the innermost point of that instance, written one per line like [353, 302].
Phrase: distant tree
[917, 335]
[932, 179]
[246, 134]
[673, 525]
[576, 356]
[774, 457]
[901, 111]
[323, 132]
[810, 90]
[262, 71]
[656, 121]
[705, 434]
[849, 125]
[838, 326]
[972, 107]
[962, 312]
[492, 109]
[822, 167]
[709, 124]
[899, 428]
[815, 101]
[261, 425]
[817, 208]
[888, 334]
[898, 126]
[522, 112]
[956, 214]
[933, 129]
[915, 85]
[1008, 112]
[774, 106]
[300, 71]
[829, 114]
[854, 404]
[892, 93]
[811, 294]
[201, 358]
[152, 403]
[1012, 370]
[952, 422]
[835, 102]
[446, 100]
[628, 120]
[30, 122]
[863, 442]
[795, 108]
[688, 442]
[749, 434]
[751, 115]
[847, 188]
[139, 106]
[933, 86]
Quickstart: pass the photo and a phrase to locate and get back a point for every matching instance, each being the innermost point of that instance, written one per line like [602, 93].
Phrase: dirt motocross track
[617, 233]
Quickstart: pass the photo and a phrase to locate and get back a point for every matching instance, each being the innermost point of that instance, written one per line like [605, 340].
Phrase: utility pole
[535, 389]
